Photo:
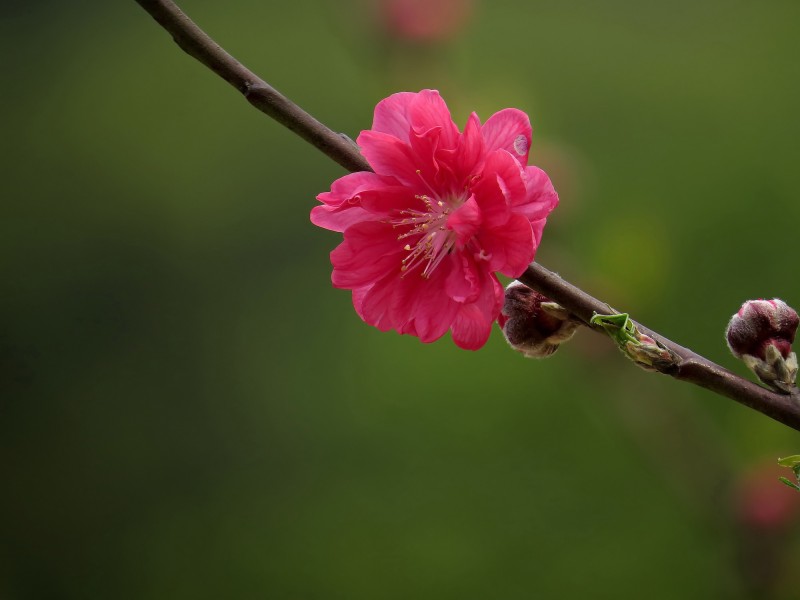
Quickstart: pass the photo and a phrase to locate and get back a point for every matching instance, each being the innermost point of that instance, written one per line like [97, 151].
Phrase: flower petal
[429, 111]
[389, 156]
[435, 312]
[471, 148]
[375, 303]
[342, 205]
[351, 184]
[538, 227]
[388, 200]
[463, 280]
[465, 221]
[473, 323]
[410, 305]
[359, 293]
[360, 299]
[510, 176]
[464, 161]
[436, 177]
[491, 200]
[392, 115]
[510, 248]
[510, 130]
[501, 186]
[339, 218]
[540, 196]
[398, 297]
[370, 250]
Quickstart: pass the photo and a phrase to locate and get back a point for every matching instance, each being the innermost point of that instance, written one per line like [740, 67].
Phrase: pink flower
[444, 210]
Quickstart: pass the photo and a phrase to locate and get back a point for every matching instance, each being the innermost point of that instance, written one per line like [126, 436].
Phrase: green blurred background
[189, 410]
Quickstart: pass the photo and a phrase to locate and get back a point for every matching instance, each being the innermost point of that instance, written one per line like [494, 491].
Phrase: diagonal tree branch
[691, 367]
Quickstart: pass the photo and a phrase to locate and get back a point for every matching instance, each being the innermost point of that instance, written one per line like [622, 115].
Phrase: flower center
[433, 240]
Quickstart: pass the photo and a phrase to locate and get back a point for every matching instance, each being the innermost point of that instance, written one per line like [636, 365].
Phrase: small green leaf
[790, 461]
[794, 486]
[619, 327]
[793, 463]
[646, 352]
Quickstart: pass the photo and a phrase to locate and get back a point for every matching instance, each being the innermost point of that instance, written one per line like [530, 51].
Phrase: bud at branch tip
[761, 334]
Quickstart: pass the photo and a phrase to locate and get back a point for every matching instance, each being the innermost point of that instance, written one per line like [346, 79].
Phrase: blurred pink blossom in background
[763, 502]
[424, 20]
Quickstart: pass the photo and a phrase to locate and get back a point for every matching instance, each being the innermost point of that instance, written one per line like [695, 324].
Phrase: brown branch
[691, 367]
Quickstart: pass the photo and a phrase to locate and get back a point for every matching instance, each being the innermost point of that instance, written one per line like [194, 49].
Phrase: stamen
[427, 185]
[433, 242]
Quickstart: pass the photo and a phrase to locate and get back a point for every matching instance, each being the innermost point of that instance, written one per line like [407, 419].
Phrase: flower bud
[642, 349]
[761, 334]
[533, 324]
[650, 354]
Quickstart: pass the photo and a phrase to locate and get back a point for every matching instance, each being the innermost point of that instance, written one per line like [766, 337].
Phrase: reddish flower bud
[761, 334]
[651, 355]
[760, 323]
[532, 323]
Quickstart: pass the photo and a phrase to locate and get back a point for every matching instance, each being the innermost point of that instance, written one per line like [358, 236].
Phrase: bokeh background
[189, 410]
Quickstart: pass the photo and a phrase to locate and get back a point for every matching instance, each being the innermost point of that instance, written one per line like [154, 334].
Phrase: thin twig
[691, 367]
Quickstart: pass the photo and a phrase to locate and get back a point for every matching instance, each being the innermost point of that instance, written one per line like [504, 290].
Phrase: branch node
[248, 87]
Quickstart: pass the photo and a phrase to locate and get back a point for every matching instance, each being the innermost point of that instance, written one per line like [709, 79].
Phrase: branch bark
[692, 367]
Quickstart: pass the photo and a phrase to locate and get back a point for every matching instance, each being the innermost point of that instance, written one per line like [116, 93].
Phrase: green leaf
[619, 327]
[794, 486]
[790, 461]
[793, 463]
